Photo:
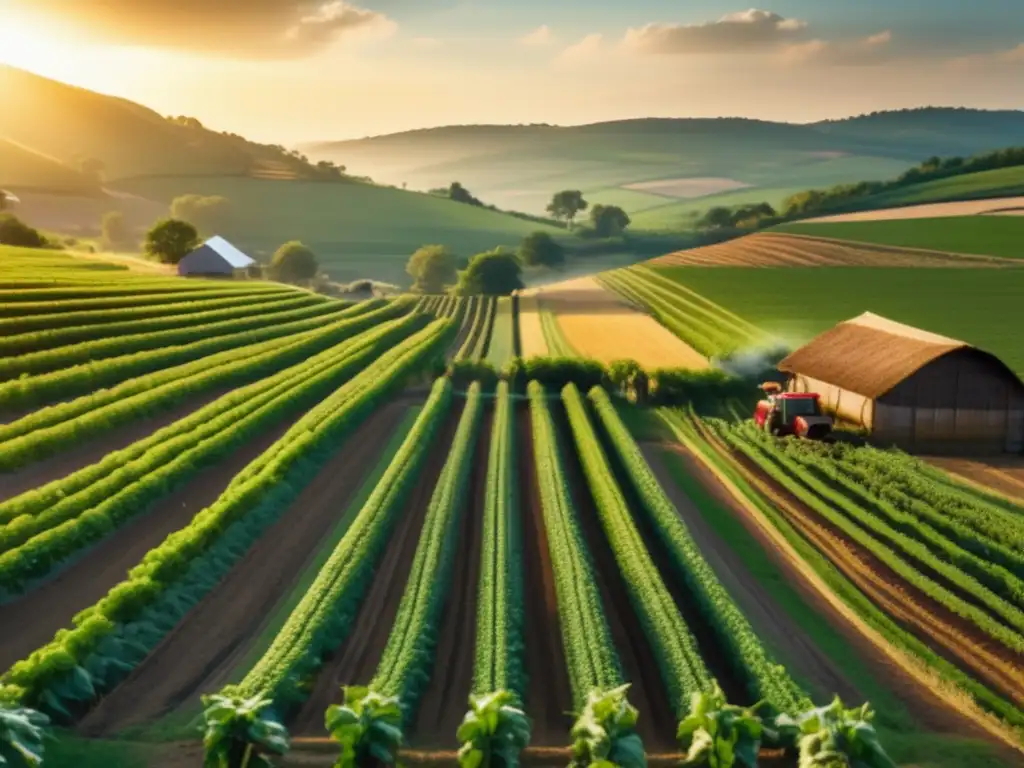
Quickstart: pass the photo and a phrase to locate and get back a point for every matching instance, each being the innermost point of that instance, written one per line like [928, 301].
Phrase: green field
[681, 213]
[1002, 182]
[985, 235]
[978, 306]
[357, 230]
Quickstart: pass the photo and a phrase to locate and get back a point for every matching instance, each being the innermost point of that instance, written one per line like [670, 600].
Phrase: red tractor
[792, 413]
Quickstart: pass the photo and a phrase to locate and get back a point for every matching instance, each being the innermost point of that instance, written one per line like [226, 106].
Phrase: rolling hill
[23, 167]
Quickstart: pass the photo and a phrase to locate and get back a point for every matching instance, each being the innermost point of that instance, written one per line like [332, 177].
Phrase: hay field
[771, 249]
[531, 329]
[600, 325]
[927, 210]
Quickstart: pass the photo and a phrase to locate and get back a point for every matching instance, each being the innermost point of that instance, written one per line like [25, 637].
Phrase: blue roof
[229, 253]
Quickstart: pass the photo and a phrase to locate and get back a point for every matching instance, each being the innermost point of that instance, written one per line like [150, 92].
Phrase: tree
[608, 220]
[114, 228]
[566, 204]
[13, 231]
[207, 213]
[718, 217]
[494, 273]
[294, 262]
[171, 240]
[540, 249]
[460, 194]
[432, 267]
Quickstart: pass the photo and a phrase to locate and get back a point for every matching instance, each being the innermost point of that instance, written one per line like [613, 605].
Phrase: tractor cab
[791, 413]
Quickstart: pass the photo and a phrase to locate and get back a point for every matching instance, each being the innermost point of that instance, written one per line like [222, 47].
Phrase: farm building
[910, 388]
[214, 258]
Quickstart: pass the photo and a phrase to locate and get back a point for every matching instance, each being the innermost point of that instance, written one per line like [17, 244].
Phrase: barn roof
[869, 354]
[228, 252]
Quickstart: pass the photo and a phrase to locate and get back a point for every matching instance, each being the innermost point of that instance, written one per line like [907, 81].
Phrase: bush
[171, 240]
[539, 249]
[464, 372]
[115, 229]
[13, 231]
[554, 373]
[293, 262]
[495, 273]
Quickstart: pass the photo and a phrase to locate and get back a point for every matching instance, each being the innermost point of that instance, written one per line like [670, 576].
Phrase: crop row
[138, 287]
[554, 338]
[91, 376]
[113, 635]
[501, 347]
[172, 318]
[323, 618]
[37, 539]
[28, 309]
[475, 345]
[62, 426]
[861, 526]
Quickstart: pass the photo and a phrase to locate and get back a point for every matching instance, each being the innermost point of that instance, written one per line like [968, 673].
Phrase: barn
[214, 258]
[910, 388]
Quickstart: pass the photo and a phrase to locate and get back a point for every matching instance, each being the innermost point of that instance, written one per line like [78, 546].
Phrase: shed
[216, 257]
[911, 388]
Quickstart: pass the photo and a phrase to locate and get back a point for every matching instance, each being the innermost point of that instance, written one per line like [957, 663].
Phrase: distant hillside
[23, 167]
[519, 167]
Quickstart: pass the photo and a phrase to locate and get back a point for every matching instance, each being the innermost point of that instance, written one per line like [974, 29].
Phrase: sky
[289, 71]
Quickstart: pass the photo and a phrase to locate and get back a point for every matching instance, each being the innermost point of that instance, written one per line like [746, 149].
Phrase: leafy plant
[603, 736]
[21, 737]
[493, 732]
[719, 734]
[238, 730]
[835, 737]
[368, 726]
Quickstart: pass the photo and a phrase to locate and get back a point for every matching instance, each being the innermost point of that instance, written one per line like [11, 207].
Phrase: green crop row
[114, 634]
[765, 680]
[484, 338]
[126, 301]
[62, 426]
[502, 346]
[558, 345]
[498, 662]
[475, 345]
[470, 326]
[323, 618]
[140, 287]
[676, 652]
[91, 376]
[589, 651]
[68, 333]
[32, 545]
[66, 356]
[404, 667]
[827, 503]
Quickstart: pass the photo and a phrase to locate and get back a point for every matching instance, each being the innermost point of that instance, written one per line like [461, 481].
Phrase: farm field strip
[14, 299]
[48, 430]
[476, 318]
[164, 586]
[554, 339]
[36, 341]
[502, 346]
[89, 377]
[531, 331]
[38, 535]
[90, 351]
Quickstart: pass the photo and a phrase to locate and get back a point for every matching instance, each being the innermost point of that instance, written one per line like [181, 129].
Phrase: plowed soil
[355, 662]
[199, 653]
[657, 724]
[446, 698]
[1001, 475]
[51, 606]
[548, 693]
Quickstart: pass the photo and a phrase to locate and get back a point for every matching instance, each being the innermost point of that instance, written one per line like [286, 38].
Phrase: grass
[984, 235]
[23, 167]
[978, 306]
[680, 214]
[1001, 182]
[357, 230]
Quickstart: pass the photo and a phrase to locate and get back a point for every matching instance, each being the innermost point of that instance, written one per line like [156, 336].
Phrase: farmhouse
[214, 258]
[910, 388]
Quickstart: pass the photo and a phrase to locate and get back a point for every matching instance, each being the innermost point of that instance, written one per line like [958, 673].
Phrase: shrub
[171, 240]
[13, 231]
[294, 262]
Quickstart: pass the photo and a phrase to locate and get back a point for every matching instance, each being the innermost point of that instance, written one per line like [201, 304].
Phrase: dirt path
[446, 697]
[78, 455]
[911, 683]
[657, 724]
[999, 475]
[355, 662]
[548, 692]
[200, 652]
[51, 606]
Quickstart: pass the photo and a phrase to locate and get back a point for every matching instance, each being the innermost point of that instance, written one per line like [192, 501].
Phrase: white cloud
[542, 35]
[334, 19]
[743, 31]
[866, 50]
[997, 59]
[586, 48]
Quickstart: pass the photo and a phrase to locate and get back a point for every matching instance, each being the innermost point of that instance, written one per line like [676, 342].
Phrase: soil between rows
[355, 662]
[198, 655]
[446, 697]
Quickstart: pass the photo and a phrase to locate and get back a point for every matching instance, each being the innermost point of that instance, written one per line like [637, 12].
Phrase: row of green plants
[604, 731]
[405, 665]
[105, 289]
[62, 426]
[495, 729]
[88, 377]
[109, 638]
[474, 347]
[557, 344]
[858, 523]
[120, 300]
[502, 342]
[68, 333]
[91, 351]
[34, 544]
[199, 302]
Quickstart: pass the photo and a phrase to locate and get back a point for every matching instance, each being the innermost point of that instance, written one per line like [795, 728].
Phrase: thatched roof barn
[915, 389]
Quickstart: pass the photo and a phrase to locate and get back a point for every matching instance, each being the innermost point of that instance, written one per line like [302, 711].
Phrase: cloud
[997, 59]
[229, 28]
[586, 48]
[740, 32]
[542, 35]
[873, 49]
